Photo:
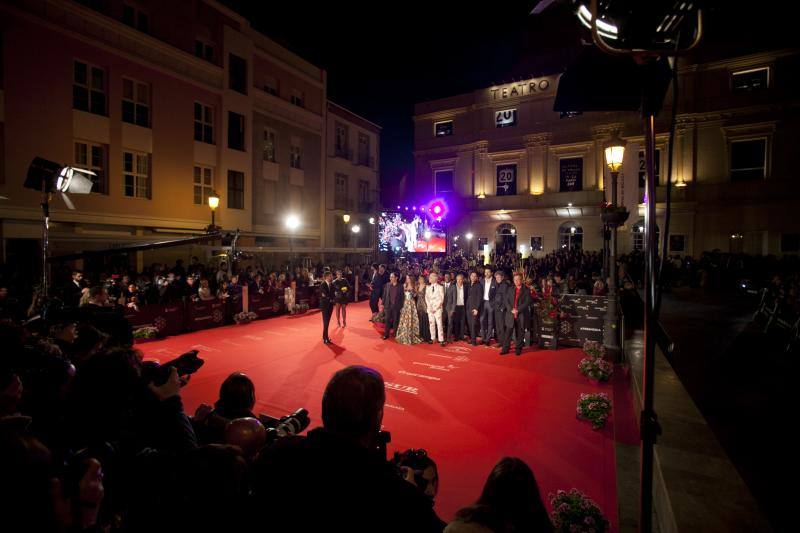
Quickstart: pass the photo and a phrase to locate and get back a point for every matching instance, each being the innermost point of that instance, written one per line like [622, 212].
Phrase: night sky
[380, 62]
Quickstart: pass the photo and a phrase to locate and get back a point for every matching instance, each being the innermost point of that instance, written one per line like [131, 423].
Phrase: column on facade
[536, 149]
[482, 171]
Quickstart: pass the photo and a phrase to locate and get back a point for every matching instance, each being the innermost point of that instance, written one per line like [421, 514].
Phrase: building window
[341, 141]
[135, 18]
[363, 196]
[571, 174]
[237, 74]
[135, 102]
[363, 150]
[570, 236]
[443, 129]
[639, 231]
[92, 156]
[750, 80]
[748, 160]
[235, 189]
[296, 199]
[790, 243]
[677, 243]
[536, 244]
[203, 50]
[235, 131]
[269, 145]
[298, 98]
[340, 196]
[89, 88]
[271, 85]
[203, 123]
[443, 181]
[643, 168]
[505, 118]
[294, 156]
[203, 184]
[136, 172]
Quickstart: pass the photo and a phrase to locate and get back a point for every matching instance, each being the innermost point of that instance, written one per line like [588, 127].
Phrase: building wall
[708, 211]
[39, 40]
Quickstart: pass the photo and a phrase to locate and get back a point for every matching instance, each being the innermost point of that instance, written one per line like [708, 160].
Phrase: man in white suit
[434, 299]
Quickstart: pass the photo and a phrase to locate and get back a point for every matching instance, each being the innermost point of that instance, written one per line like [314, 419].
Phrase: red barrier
[202, 314]
[266, 304]
[167, 319]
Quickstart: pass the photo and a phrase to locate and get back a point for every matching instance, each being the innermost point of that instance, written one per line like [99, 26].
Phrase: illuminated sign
[522, 88]
[506, 180]
[506, 117]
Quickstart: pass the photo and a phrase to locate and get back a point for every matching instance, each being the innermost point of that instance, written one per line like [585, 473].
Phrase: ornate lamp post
[292, 222]
[613, 217]
[213, 204]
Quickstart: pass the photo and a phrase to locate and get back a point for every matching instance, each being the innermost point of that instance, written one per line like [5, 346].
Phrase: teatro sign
[522, 88]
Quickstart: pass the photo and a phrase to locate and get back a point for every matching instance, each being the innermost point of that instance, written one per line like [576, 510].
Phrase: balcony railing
[344, 153]
[365, 161]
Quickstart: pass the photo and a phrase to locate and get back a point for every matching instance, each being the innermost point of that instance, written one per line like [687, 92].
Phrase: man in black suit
[503, 319]
[486, 311]
[73, 291]
[518, 300]
[377, 283]
[455, 305]
[392, 303]
[474, 305]
[326, 297]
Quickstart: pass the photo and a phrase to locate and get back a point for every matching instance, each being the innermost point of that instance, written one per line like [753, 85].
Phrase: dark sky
[382, 57]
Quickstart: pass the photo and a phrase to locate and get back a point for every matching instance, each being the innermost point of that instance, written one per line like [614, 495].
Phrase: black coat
[492, 288]
[342, 297]
[501, 303]
[326, 296]
[475, 297]
[523, 304]
[398, 304]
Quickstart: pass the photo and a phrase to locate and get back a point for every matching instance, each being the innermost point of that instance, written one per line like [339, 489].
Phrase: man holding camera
[336, 479]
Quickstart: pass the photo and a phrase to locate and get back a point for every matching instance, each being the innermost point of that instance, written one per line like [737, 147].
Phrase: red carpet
[467, 406]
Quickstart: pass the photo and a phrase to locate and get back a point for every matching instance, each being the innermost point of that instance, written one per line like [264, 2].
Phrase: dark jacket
[326, 295]
[398, 303]
[378, 281]
[501, 303]
[342, 297]
[451, 297]
[324, 482]
[475, 297]
[492, 289]
[523, 303]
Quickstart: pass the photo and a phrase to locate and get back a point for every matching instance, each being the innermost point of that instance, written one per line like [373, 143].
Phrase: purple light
[437, 209]
[406, 208]
[414, 208]
[398, 207]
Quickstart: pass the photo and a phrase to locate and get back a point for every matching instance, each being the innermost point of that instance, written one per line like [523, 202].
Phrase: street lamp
[213, 203]
[614, 154]
[469, 242]
[346, 218]
[292, 222]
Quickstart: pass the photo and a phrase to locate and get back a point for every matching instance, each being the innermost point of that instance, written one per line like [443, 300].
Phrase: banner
[506, 180]
[585, 320]
[202, 314]
[570, 171]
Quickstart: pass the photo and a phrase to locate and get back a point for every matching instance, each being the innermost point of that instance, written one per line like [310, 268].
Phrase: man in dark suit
[455, 305]
[377, 282]
[73, 291]
[518, 300]
[486, 311]
[326, 300]
[392, 303]
[503, 319]
[474, 305]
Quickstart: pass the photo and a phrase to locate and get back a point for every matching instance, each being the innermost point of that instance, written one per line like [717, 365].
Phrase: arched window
[505, 239]
[639, 231]
[570, 236]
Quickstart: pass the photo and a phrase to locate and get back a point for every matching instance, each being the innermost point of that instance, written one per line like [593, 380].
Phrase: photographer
[337, 471]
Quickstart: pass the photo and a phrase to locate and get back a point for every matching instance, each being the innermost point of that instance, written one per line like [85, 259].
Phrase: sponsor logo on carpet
[253, 338]
[458, 349]
[395, 407]
[203, 348]
[442, 356]
[421, 376]
[401, 388]
[447, 368]
[461, 359]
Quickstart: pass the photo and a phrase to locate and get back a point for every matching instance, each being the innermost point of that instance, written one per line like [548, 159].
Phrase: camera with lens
[288, 425]
[417, 461]
[186, 364]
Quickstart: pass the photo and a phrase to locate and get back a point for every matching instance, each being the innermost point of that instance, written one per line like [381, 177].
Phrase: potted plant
[594, 408]
[594, 366]
[613, 215]
[144, 334]
[550, 313]
[574, 512]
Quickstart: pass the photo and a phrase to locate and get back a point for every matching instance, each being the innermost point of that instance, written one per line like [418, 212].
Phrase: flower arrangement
[608, 207]
[344, 289]
[594, 349]
[594, 408]
[596, 368]
[145, 332]
[574, 512]
[244, 317]
[550, 308]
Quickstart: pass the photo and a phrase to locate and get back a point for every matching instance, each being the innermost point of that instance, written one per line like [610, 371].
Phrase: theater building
[518, 176]
[166, 102]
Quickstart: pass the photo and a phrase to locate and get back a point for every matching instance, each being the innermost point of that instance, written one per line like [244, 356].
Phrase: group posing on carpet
[427, 309]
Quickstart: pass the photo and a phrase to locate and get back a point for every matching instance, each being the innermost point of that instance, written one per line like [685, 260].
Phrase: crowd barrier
[194, 315]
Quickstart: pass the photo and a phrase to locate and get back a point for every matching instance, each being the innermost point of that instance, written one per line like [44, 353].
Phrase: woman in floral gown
[408, 329]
